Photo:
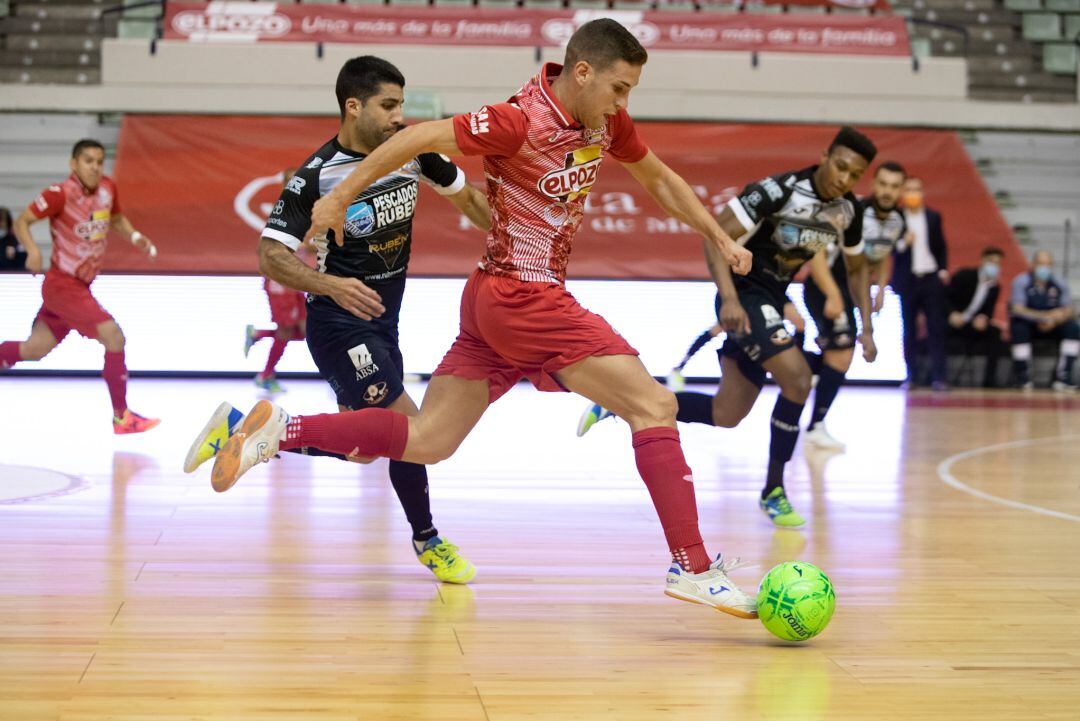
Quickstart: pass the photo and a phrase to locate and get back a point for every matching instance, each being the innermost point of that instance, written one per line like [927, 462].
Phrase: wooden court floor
[951, 529]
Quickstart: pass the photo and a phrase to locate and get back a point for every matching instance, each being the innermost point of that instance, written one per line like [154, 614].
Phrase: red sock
[276, 351]
[662, 466]
[260, 334]
[115, 375]
[368, 433]
[9, 354]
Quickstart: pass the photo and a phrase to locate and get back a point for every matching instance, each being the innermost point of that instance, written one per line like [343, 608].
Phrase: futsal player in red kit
[81, 211]
[542, 151]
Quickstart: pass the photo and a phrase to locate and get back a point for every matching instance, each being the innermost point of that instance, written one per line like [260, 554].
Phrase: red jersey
[540, 164]
[79, 221]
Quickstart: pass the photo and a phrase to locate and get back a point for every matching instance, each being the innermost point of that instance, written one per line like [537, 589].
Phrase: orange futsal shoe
[133, 423]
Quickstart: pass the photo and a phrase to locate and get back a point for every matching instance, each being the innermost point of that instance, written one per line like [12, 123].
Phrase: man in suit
[919, 276]
[972, 295]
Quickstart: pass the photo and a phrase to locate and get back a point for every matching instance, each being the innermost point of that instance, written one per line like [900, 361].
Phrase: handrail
[133, 6]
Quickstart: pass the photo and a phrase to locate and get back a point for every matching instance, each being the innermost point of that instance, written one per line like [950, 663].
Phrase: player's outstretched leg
[115, 373]
[451, 408]
[621, 383]
[793, 375]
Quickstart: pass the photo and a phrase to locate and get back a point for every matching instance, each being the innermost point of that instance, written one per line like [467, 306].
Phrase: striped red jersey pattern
[540, 164]
[79, 221]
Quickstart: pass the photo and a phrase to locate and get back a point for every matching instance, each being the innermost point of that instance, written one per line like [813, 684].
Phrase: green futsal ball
[796, 601]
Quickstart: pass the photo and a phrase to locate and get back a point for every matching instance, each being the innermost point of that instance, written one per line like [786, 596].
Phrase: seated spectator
[1041, 307]
[972, 295]
[12, 254]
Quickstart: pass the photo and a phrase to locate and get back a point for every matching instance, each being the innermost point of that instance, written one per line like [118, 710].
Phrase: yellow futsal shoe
[223, 423]
[777, 507]
[445, 561]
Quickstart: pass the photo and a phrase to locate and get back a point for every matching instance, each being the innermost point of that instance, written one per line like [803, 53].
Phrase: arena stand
[133, 62]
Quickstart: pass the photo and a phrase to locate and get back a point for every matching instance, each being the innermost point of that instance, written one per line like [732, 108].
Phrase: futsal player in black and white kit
[829, 297]
[355, 292]
[789, 218]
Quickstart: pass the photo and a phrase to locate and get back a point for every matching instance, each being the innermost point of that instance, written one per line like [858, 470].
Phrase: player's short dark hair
[893, 167]
[84, 144]
[361, 77]
[852, 139]
[992, 250]
[603, 42]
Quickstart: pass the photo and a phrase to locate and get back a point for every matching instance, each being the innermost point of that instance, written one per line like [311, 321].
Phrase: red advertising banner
[201, 187]
[280, 22]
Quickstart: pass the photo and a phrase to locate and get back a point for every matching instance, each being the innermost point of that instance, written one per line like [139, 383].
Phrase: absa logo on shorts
[576, 179]
[235, 21]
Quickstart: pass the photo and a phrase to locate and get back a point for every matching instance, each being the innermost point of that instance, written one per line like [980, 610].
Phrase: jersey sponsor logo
[390, 250]
[278, 207]
[359, 220]
[395, 205]
[772, 189]
[576, 179]
[480, 121]
[376, 393]
[791, 235]
[96, 228]
[314, 164]
[362, 361]
[41, 203]
[296, 185]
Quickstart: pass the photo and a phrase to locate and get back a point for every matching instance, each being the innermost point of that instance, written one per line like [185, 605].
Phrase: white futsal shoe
[711, 588]
[256, 442]
[818, 437]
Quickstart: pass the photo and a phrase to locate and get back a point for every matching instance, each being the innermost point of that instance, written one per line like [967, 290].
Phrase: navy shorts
[767, 337]
[361, 362]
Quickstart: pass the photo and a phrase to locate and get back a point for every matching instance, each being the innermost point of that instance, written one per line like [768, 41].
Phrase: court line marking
[945, 474]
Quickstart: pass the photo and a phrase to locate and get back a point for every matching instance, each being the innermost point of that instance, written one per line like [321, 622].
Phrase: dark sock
[694, 408]
[697, 345]
[814, 360]
[828, 386]
[1067, 368]
[411, 485]
[1020, 370]
[774, 478]
[784, 434]
[316, 452]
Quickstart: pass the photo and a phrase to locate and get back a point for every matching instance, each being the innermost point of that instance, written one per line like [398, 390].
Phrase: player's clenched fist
[738, 257]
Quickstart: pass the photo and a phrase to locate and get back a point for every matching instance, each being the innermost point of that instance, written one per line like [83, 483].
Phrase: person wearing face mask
[972, 295]
[919, 276]
[1041, 307]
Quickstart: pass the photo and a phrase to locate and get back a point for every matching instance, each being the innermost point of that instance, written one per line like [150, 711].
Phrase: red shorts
[287, 308]
[67, 304]
[511, 329]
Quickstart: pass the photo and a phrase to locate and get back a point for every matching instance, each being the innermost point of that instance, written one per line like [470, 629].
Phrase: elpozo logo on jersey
[233, 21]
[576, 179]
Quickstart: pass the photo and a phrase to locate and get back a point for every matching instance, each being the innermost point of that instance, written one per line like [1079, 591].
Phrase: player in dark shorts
[357, 351]
[829, 297]
[788, 219]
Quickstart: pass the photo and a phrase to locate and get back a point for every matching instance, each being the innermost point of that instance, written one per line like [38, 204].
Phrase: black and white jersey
[790, 223]
[880, 236]
[378, 223]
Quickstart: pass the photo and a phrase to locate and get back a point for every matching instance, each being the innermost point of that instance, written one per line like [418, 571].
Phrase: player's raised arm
[435, 136]
[675, 196]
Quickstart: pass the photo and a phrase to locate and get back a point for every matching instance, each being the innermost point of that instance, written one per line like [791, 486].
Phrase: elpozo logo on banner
[232, 22]
[558, 30]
